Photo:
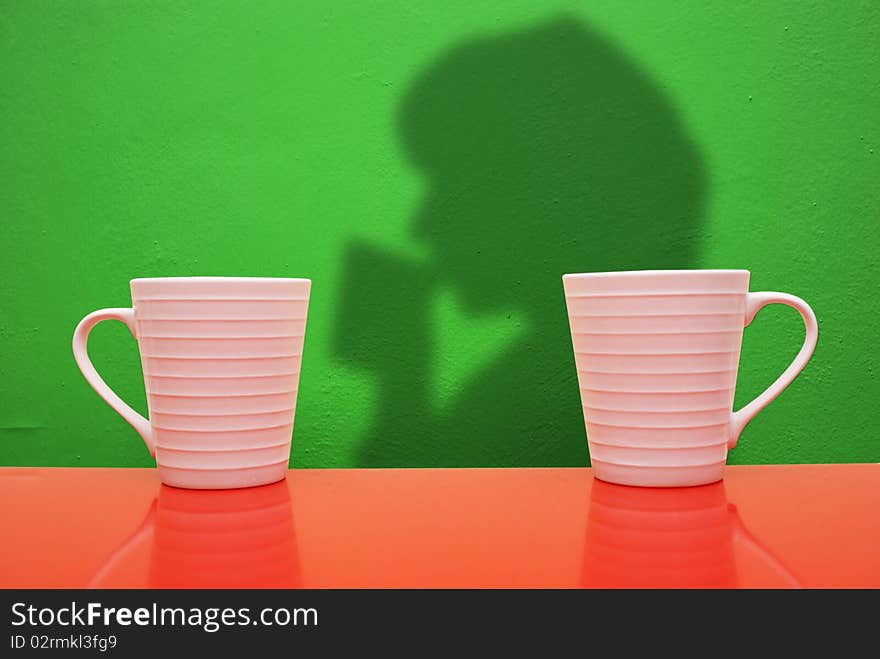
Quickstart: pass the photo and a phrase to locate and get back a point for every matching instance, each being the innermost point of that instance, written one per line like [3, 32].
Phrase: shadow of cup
[214, 539]
[668, 538]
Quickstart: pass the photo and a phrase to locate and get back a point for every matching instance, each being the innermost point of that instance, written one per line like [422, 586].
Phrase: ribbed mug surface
[221, 360]
[657, 355]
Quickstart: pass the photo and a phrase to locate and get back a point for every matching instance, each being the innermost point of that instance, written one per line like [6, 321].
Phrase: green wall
[435, 172]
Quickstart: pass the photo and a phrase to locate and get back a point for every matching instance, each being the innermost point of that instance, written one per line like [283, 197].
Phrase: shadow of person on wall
[545, 151]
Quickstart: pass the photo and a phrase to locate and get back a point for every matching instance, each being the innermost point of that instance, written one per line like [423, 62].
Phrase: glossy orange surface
[763, 526]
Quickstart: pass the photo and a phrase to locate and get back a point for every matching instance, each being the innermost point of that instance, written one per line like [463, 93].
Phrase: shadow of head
[547, 151]
[544, 151]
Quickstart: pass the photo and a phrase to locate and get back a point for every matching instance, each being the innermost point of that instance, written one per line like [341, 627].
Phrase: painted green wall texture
[434, 170]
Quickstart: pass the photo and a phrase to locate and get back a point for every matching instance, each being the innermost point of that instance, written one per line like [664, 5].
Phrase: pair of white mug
[656, 351]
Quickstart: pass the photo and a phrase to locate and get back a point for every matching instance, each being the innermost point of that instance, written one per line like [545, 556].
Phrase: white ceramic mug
[657, 353]
[221, 361]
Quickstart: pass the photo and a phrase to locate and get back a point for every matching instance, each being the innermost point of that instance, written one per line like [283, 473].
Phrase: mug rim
[211, 279]
[632, 273]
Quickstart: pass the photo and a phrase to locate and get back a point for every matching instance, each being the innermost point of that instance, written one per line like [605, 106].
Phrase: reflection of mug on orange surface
[668, 538]
[225, 539]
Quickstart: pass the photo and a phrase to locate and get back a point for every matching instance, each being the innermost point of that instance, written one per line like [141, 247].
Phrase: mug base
[652, 476]
[222, 479]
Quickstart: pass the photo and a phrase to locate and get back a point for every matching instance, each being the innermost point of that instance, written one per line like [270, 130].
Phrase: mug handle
[81, 354]
[754, 303]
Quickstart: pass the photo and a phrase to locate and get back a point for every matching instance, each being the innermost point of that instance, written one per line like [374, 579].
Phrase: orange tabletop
[763, 526]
